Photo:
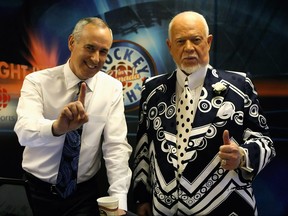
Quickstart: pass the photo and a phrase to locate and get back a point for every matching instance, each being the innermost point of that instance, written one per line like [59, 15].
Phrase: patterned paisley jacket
[205, 188]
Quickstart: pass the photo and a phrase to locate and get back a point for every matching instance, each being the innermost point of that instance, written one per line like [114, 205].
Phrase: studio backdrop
[248, 35]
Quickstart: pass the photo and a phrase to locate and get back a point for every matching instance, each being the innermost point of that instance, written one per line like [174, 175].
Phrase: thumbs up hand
[229, 153]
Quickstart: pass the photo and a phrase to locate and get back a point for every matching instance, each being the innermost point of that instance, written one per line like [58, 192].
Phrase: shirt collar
[72, 80]
[194, 80]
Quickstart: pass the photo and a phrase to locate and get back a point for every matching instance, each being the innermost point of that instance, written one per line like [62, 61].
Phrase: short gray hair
[85, 21]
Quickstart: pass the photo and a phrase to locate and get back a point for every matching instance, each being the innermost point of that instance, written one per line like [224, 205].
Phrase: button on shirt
[43, 96]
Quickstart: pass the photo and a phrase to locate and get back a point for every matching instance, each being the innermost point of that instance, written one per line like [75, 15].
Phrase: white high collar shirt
[195, 83]
[43, 95]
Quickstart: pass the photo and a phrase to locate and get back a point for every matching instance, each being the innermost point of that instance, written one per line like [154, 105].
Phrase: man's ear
[168, 44]
[71, 42]
[210, 39]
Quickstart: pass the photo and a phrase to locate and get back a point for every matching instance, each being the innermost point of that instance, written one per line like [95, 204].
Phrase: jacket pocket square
[226, 110]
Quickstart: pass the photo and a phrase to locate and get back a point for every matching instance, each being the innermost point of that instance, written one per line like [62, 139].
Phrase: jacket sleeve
[257, 142]
[141, 174]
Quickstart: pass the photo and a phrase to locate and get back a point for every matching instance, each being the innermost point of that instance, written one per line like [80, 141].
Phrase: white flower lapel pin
[218, 88]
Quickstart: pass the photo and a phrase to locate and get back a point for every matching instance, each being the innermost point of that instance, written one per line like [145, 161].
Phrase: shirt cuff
[122, 201]
[246, 165]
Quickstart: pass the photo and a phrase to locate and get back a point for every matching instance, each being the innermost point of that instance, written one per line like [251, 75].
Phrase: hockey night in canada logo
[131, 64]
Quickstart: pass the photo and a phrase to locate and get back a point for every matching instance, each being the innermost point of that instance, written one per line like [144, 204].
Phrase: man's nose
[189, 46]
[95, 57]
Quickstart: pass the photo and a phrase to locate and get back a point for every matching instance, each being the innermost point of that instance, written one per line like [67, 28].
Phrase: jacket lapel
[207, 97]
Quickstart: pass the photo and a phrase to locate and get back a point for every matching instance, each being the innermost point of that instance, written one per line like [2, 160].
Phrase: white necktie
[184, 119]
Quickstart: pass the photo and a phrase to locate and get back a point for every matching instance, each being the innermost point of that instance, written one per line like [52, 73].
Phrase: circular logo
[131, 64]
[4, 98]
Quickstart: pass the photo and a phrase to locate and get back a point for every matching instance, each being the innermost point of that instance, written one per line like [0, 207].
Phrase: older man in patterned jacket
[228, 139]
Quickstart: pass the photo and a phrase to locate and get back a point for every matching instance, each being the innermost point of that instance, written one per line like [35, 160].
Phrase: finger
[226, 138]
[75, 112]
[82, 93]
[78, 111]
[223, 162]
[67, 112]
[73, 108]
[81, 113]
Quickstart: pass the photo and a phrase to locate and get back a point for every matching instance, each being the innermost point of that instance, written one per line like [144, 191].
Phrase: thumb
[226, 138]
[82, 93]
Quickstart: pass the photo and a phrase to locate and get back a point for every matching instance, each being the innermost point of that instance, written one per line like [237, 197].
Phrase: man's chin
[190, 70]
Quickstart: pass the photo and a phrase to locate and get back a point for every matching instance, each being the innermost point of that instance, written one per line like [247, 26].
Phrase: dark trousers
[46, 202]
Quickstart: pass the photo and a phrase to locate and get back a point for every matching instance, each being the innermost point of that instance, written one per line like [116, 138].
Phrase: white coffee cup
[108, 206]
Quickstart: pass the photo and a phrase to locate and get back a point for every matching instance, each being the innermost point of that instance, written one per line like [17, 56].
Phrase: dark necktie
[67, 174]
[184, 124]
